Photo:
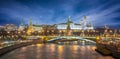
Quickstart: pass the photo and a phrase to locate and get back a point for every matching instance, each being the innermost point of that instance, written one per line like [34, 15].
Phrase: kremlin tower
[30, 28]
[68, 32]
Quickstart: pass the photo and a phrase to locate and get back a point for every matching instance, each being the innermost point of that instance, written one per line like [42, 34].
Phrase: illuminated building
[49, 30]
[69, 28]
[1, 27]
[10, 27]
[83, 25]
[37, 28]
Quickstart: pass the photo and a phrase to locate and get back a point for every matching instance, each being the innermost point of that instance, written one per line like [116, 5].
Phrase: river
[55, 51]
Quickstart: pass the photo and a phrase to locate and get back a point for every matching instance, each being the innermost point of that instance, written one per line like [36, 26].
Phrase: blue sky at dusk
[99, 12]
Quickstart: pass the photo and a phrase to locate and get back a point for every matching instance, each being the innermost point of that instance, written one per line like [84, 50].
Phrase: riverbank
[4, 50]
[108, 50]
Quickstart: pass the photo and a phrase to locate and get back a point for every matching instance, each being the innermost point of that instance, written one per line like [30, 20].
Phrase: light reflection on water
[60, 52]
[55, 51]
[76, 43]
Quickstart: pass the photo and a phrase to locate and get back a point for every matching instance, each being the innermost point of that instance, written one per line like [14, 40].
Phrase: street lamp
[8, 32]
[110, 31]
[24, 31]
[39, 31]
[18, 32]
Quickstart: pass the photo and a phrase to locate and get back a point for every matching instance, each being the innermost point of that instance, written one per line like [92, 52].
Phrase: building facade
[74, 27]
[10, 27]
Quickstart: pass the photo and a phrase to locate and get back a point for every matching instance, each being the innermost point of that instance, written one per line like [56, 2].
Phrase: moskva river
[55, 51]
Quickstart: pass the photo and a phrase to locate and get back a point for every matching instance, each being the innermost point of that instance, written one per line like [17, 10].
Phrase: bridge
[70, 37]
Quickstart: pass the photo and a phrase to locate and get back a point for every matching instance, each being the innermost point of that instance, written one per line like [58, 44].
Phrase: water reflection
[60, 51]
[80, 42]
[56, 51]
[52, 47]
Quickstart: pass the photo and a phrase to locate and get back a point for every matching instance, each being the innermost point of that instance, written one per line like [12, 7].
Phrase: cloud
[57, 11]
[98, 16]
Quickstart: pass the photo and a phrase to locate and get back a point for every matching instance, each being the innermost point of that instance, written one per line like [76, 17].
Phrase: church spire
[85, 20]
[30, 22]
[69, 21]
[22, 22]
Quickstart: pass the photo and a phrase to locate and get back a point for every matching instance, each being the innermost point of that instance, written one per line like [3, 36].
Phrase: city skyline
[57, 11]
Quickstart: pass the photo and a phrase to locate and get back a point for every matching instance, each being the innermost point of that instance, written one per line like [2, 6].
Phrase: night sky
[99, 12]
